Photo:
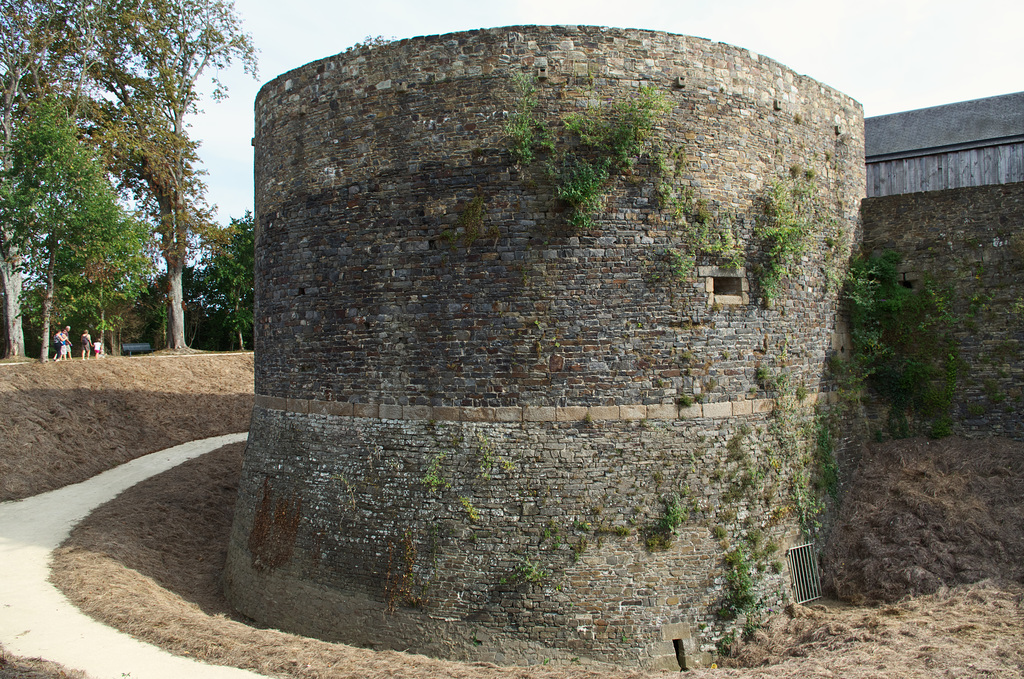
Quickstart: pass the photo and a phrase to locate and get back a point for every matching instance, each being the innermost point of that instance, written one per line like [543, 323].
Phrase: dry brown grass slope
[61, 423]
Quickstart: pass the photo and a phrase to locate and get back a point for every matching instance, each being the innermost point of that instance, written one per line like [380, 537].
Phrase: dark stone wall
[507, 542]
[970, 241]
[461, 443]
[362, 298]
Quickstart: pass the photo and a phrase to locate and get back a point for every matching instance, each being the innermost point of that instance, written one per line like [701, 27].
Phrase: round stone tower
[542, 315]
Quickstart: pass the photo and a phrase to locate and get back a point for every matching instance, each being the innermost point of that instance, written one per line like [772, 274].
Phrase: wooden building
[970, 143]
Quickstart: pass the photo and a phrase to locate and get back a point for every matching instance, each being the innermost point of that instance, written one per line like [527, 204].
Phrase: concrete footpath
[36, 620]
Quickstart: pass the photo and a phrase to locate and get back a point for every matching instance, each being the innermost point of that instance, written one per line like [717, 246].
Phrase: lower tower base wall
[634, 542]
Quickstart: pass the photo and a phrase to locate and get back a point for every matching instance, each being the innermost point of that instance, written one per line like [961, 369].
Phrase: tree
[23, 48]
[232, 274]
[63, 209]
[46, 46]
[218, 292]
[156, 54]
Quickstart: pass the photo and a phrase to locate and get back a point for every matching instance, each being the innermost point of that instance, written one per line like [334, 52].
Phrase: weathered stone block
[742, 408]
[508, 414]
[571, 414]
[389, 412]
[717, 410]
[338, 408]
[689, 412]
[604, 412]
[477, 414]
[417, 413]
[662, 412]
[364, 410]
[632, 412]
[447, 414]
[539, 414]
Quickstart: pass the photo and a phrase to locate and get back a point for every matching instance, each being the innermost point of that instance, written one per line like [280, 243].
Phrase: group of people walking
[63, 341]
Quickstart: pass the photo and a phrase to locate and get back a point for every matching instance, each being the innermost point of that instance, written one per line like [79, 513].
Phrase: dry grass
[33, 668]
[149, 563]
[926, 514]
[61, 423]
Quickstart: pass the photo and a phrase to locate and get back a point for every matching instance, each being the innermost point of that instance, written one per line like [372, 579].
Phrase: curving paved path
[36, 620]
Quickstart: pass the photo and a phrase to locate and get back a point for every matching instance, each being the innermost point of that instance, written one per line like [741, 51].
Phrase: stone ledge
[620, 413]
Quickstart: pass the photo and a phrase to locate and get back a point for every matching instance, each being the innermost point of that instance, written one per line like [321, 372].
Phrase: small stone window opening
[910, 279]
[728, 285]
[725, 286]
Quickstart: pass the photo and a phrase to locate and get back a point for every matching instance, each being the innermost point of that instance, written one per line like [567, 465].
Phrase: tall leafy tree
[24, 45]
[232, 274]
[47, 47]
[157, 52]
[66, 213]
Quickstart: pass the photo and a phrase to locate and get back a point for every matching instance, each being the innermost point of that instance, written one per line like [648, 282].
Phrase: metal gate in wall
[803, 571]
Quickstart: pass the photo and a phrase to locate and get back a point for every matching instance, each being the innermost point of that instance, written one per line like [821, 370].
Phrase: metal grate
[803, 570]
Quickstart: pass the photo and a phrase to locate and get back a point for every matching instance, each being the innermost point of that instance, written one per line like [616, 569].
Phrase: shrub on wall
[903, 344]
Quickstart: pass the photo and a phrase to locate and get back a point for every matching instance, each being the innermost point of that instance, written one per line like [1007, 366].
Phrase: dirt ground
[922, 518]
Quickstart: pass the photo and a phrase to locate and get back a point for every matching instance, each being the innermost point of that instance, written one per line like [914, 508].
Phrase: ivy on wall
[904, 346]
[589, 148]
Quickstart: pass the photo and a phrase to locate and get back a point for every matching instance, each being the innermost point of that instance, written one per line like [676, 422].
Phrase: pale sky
[890, 55]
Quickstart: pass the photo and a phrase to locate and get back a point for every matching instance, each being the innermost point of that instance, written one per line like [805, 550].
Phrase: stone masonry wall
[472, 432]
[970, 240]
[508, 542]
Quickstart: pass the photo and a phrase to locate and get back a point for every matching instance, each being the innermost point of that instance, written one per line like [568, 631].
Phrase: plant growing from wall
[785, 227]
[740, 585]
[526, 132]
[597, 145]
[433, 478]
[702, 232]
[660, 533]
[607, 140]
[527, 571]
[470, 509]
[903, 344]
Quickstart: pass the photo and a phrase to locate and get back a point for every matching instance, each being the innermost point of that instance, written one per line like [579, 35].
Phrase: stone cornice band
[719, 410]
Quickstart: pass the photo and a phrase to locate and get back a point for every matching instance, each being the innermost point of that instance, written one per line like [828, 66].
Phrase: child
[97, 348]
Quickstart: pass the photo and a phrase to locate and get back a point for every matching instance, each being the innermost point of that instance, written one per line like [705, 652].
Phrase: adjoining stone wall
[969, 239]
[445, 419]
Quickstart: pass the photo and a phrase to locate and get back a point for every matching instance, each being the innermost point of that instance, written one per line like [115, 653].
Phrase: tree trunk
[10, 278]
[241, 341]
[175, 309]
[44, 351]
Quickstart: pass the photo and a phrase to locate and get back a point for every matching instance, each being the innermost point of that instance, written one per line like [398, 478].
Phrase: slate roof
[966, 124]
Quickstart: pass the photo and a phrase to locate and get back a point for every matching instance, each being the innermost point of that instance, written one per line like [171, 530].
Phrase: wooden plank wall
[1003, 164]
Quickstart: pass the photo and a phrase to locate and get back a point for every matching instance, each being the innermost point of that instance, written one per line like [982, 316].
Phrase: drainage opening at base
[680, 653]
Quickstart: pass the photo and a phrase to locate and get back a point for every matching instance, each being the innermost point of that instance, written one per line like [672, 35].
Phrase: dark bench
[136, 348]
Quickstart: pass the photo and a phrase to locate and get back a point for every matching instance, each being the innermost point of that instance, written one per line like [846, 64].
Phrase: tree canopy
[79, 244]
[155, 55]
[127, 74]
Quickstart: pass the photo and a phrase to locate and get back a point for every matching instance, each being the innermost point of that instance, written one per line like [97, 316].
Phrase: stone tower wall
[471, 418]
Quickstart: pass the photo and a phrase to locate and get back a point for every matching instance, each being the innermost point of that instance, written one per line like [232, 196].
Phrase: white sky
[891, 55]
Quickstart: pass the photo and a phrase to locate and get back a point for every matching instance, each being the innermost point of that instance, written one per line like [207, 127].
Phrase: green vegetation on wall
[904, 347]
[593, 147]
[789, 220]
